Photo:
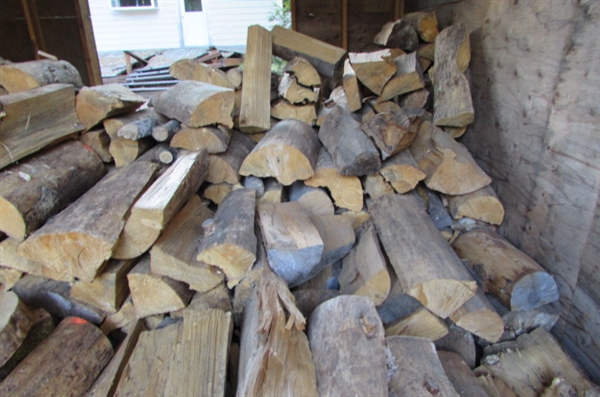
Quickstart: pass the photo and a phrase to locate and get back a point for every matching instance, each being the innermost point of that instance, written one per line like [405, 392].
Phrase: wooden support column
[33, 26]
[345, 24]
[88, 43]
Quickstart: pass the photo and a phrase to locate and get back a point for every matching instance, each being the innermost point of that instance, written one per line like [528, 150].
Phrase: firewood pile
[320, 232]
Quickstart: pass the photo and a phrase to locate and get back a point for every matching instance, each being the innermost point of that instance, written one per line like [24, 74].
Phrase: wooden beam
[345, 24]
[88, 43]
[398, 9]
[33, 26]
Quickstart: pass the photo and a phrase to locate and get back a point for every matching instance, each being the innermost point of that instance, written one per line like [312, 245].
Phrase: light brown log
[94, 104]
[225, 167]
[216, 298]
[415, 99]
[15, 322]
[82, 237]
[199, 366]
[424, 23]
[143, 127]
[352, 151]
[189, 69]
[229, 242]
[449, 167]
[409, 237]
[305, 73]
[351, 87]
[125, 151]
[34, 119]
[23, 76]
[402, 172]
[461, 342]
[308, 299]
[515, 279]
[159, 204]
[78, 351]
[124, 317]
[197, 104]
[283, 110]
[347, 342]
[482, 204]
[364, 269]
[453, 105]
[375, 186]
[479, 317]
[326, 58]
[314, 201]
[10, 258]
[464, 380]
[492, 385]
[211, 139]
[345, 190]
[174, 253]
[427, 51]
[398, 34]
[112, 125]
[408, 77]
[374, 69]
[164, 132]
[256, 96]
[290, 90]
[421, 323]
[274, 192]
[99, 141]
[288, 152]
[155, 294]
[9, 277]
[217, 192]
[415, 369]
[393, 131]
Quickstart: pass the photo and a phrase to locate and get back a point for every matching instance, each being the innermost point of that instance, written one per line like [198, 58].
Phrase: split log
[166, 131]
[15, 322]
[408, 77]
[174, 253]
[449, 167]
[197, 104]
[326, 58]
[165, 154]
[199, 366]
[213, 139]
[424, 23]
[283, 110]
[83, 236]
[290, 90]
[478, 317]
[154, 294]
[402, 172]
[453, 105]
[409, 237]
[294, 246]
[112, 125]
[159, 204]
[421, 323]
[374, 69]
[125, 151]
[303, 71]
[355, 363]
[124, 317]
[10, 259]
[397, 305]
[24, 76]
[482, 204]
[44, 185]
[364, 269]
[464, 380]
[216, 298]
[308, 299]
[229, 242]
[94, 104]
[460, 342]
[518, 322]
[288, 152]
[143, 127]
[8, 277]
[345, 190]
[415, 369]
[415, 99]
[225, 167]
[515, 279]
[352, 151]
[427, 51]
[351, 87]
[235, 77]
[256, 184]
[314, 201]
[35, 119]
[189, 69]
[217, 192]
[99, 141]
[492, 385]
[274, 192]
[109, 289]
[393, 131]
[78, 351]
[435, 208]
[398, 34]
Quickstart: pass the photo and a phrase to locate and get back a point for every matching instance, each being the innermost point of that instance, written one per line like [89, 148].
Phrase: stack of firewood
[244, 233]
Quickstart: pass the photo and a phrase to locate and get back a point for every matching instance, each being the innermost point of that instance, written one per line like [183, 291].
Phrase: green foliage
[282, 14]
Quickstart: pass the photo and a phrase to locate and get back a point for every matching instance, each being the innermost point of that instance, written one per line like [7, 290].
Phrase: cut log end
[484, 323]
[533, 290]
[235, 261]
[11, 220]
[442, 297]
[286, 164]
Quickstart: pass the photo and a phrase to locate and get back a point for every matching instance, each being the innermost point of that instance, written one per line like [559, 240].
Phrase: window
[132, 4]
[193, 5]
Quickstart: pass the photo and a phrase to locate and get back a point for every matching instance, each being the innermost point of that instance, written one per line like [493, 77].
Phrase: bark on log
[166, 131]
[305, 73]
[460, 342]
[94, 104]
[99, 141]
[398, 34]
[351, 87]
[290, 90]
[314, 201]
[15, 322]
[393, 131]
[213, 139]
[143, 127]
[225, 167]
[217, 192]
[24, 76]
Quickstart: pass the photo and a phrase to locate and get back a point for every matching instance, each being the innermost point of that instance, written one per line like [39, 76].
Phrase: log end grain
[235, 261]
[533, 290]
[11, 220]
[444, 296]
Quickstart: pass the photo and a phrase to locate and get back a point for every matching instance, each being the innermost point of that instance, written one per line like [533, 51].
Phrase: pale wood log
[112, 125]
[256, 97]
[290, 90]
[375, 186]
[397, 305]
[515, 279]
[125, 151]
[482, 204]
[393, 131]
[159, 204]
[10, 258]
[213, 139]
[492, 385]
[217, 192]
[461, 342]
[421, 323]
[479, 317]
[143, 127]
[351, 87]
[408, 237]
[109, 289]
[274, 192]
[283, 110]
[327, 278]
[336, 98]
[402, 172]
[229, 242]
[23, 76]
[146, 373]
[165, 154]
[122, 318]
[347, 342]
[449, 166]
[189, 69]
[174, 253]
[314, 201]
[197, 104]
[357, 218]
[155, 294]
[374, 69]
[215, 298]
[364, 269]
[415, 369]
[15, 322]
[199, 366]
[164, 132]
[453, 105]
[519, 322]
[235, 77]
[325, 58]
[407, 77]
[427, 51]
[288, 152]
[415, 99]
[83, 236]
[352, 151]
[99, 141]
[9, 277]
[346, 191]
[464, 380]
[78, 351]
[94, 104]
[398, 34]
[456, 132]
[225, 167]
[44, 185]
[305, 73]
[34, 119]
[307, 299]
[424, 23]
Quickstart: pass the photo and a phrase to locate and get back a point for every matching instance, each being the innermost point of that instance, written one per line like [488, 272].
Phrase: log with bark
[478, 316]
[424, 23]
[142, 127]
[303, 71]
[461, 342]
[408, 77]
[351, 87]
[283, 110]
[402, 172]
[398, 34]
[125, 151]
[374, 69]
[189, 69]
[314, 200]
[94, 104]
[23, 76]
[99, 141]
[420, 323]
[225, 167]
[464, 380]
[15, 321]
[212, 139]
[216, 192]
[164, 132]
[393, 131]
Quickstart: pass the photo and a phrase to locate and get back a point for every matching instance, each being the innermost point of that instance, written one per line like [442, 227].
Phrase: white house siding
[138, 29]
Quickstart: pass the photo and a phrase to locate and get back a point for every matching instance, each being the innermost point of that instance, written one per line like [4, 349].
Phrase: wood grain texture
[407, 78]
[23, 76]
[225, 167]
[189, 69]
[293, 92]
[212, 139]
[305, 73]
[314, 200]
[373, 69]
[94, 104]
[398, 34]
[15, 321]
[420, 323]
[393, 131]
[402, 171]
[99, 141]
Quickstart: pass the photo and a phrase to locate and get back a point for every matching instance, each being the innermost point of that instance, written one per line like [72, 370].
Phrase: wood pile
[351, 237]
